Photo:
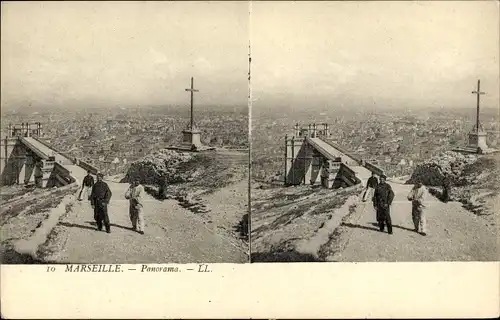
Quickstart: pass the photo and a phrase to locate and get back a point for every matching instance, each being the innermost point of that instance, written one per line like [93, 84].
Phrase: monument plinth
[191, 137]
[478, 140]
[477, 137]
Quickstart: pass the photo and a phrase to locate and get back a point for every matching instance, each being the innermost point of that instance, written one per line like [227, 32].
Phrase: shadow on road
[396, 226]
[111, 224]
[404, 228]
[290, 256]
[121, 227]
[351, 225]
[74, 225]
[93, 224]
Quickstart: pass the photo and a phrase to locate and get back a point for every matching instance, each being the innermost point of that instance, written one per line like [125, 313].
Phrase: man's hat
[99, 174]
[383, 176]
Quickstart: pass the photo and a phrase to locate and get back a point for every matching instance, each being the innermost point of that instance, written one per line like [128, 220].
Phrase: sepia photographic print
[124, 132]
[195, 159]
[375, 131]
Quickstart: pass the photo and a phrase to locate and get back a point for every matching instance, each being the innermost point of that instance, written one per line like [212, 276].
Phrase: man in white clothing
[135, 195]
[417, 196]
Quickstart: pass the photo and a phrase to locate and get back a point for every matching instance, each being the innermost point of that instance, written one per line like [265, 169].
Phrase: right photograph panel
[375, 130]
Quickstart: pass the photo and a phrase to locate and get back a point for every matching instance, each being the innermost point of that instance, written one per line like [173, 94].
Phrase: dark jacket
[372, 182]
[447, 183]
[101, 194]
[383, 196]
[88, 181]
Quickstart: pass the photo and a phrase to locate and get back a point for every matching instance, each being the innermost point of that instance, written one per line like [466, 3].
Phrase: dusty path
[173, 235]
[454, 234]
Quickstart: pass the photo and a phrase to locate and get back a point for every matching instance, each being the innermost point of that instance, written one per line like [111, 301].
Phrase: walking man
[417, 196]
[135, 195]
[446, 189]
[162, 190]
[88, 183]
[382, 200]
[99, 199]
[370, 187]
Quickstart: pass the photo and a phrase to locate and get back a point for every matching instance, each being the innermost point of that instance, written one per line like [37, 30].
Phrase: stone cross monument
[191, 137]
[477, 137]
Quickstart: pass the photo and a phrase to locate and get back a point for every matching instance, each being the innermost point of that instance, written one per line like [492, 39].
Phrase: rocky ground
[202, 225]
[23, 217]
[475, 181]
[9, 192]
[291, 224]
[199, 182]
[305, 224]
[448, 164]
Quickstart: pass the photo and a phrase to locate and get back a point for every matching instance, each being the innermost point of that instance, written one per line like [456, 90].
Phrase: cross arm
[475, 92]
[192, 90]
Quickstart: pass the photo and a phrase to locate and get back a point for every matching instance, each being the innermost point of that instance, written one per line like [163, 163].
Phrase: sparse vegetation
[479, 187]
[285, 218]
[20, 219]
[186, 172]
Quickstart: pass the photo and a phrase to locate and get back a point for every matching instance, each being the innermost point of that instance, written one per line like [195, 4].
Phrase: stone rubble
[433, 171]
[153, 168]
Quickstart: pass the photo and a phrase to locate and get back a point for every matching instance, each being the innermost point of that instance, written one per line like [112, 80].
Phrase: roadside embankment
[292, 224]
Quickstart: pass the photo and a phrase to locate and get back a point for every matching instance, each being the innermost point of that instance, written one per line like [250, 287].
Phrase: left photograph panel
[124, 132]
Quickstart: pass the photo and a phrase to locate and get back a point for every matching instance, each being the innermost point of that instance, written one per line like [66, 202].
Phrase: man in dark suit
[99, 199]
[446, 189]
[382, 200]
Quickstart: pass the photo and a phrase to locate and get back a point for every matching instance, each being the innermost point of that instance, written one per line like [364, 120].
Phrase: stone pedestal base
[477, 140]
[191, 137]
[477, 144]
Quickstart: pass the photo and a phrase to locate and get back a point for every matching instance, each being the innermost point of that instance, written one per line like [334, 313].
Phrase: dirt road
[454, 234]
[173, 233]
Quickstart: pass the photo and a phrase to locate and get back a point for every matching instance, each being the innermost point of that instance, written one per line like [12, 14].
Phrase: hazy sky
[111, 53]
[303, 54]
[380, 53]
